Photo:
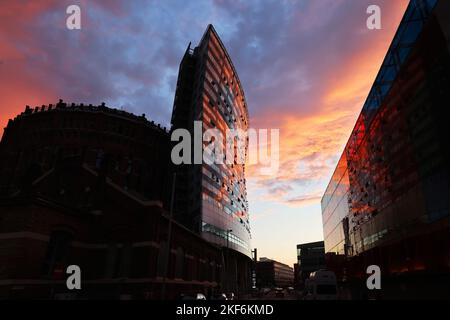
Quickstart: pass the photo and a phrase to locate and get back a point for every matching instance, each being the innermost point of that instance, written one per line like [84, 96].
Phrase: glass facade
[392, 182]
[311, 256]
[209, 91]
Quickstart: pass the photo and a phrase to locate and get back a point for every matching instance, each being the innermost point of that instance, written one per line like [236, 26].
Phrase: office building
[388, 201]
[273, 274]
[211, 199]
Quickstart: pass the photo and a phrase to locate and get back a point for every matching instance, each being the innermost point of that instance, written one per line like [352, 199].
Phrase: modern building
[273, 274]
[388, 201]
[211, 199]
[85, 185]
[310, 258]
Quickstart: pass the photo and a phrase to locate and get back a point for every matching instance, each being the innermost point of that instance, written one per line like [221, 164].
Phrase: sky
[306, 67]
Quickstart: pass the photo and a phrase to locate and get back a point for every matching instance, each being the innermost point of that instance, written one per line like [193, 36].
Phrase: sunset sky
[306, 67]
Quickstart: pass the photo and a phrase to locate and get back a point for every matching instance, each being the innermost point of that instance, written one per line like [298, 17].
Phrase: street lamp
[169, 238]
[228, 259]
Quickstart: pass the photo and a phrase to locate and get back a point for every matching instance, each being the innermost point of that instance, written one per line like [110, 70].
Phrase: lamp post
[228, 259]
[169, 238]
[255, 259]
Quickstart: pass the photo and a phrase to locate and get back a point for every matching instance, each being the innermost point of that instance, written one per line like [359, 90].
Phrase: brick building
[89, 185]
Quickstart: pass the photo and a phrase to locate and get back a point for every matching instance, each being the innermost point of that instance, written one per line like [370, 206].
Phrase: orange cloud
[309, 145]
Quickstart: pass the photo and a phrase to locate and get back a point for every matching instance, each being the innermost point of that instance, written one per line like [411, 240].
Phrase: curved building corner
[212, 199]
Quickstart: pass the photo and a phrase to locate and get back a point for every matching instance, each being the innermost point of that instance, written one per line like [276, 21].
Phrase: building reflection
[387, 202]
[211, 199]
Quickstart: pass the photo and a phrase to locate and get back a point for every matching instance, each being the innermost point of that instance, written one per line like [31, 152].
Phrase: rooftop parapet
[62, 106]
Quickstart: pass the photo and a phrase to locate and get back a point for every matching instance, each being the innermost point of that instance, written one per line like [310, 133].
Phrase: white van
[321, 285]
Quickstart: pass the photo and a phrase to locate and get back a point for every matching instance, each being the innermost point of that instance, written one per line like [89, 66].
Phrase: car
[321, 285]
[266, 290]
[279, 292]
[198, 296]
[220, 296]
[230, 296]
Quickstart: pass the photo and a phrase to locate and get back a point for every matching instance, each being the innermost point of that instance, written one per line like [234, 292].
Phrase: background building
[212, 199]
[310, 258]
[85, 185]
[273, 274]
[387, 202]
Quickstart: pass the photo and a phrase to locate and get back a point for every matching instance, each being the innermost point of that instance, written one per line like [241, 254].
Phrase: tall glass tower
[211, 199]
[388, 203]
